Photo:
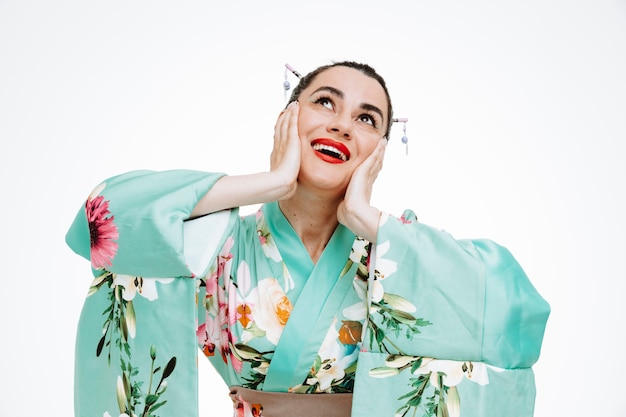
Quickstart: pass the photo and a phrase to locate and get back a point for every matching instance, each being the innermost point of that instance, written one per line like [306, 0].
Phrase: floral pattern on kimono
[431, 324]
[134, 396]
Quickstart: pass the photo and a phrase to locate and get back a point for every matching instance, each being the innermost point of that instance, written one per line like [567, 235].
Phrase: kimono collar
[292, 250]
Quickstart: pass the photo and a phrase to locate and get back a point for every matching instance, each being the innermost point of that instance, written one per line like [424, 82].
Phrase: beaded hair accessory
[287, 87]
[405, 138]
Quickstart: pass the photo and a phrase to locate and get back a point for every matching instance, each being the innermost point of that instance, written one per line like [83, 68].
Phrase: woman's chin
[331, 186]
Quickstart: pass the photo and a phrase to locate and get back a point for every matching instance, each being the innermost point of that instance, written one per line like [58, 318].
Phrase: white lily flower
[96, 191]
[399, 303]
[267, 240]
[398, 361]
[384, 372]
[288, 279]
[121, 393]
[455, 371]
[377, 291]
[453, 402]
[358, 311]
[334, 362]
[146, 287]
[384, 267]
[355, 312]
[358, 250]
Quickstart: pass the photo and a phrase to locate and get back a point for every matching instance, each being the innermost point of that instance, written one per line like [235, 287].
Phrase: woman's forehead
[354, 84]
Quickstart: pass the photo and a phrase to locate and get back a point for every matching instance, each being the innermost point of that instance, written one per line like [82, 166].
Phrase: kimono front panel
[274, 322]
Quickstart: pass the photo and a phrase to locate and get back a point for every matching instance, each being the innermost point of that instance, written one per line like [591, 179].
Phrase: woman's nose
[341, 124]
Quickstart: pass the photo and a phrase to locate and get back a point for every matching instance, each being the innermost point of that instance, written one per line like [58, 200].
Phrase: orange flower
[350, 332]
[257, 410]
[283, 309]
[245, 313]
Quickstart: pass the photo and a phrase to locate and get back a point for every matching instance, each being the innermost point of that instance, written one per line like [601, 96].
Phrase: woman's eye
[366, 118]
[326, 102]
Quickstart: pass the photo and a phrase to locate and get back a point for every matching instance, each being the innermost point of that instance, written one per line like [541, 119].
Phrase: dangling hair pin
[293, 71]
[286, 83]
[405, 138]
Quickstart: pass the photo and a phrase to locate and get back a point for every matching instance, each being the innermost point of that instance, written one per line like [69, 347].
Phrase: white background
[517, 127]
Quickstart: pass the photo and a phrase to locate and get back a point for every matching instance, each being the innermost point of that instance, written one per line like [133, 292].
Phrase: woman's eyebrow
[332, 90]
[371, 107]
[339, 93]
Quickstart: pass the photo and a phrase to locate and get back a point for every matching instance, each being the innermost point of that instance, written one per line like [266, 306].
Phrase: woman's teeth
[330, 150]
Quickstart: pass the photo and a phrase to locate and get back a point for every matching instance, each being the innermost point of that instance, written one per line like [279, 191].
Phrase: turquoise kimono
[432, 325]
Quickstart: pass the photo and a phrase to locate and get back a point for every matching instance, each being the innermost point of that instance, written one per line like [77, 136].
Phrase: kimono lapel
[291, 256]
[322, 292]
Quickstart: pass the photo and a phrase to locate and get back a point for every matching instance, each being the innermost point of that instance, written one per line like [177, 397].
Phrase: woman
[287, 302]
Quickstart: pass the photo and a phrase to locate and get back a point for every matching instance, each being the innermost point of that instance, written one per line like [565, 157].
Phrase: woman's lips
[330, 150]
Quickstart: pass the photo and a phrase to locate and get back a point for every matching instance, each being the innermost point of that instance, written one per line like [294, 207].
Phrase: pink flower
[224, 259]
[208, 347]
[227, 341]
[404, 220]
[102, 230]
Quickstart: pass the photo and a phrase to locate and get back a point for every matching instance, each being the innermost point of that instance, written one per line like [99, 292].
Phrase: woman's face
[343, 115]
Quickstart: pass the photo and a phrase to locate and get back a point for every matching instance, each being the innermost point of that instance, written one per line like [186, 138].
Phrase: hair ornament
[405, 138]
[293, 71]
[286, 83]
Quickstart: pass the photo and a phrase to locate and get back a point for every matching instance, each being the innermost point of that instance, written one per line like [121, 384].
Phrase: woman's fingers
[374, 163]
[355, 211]
[285, 134]
[292, 128]
[285, 156]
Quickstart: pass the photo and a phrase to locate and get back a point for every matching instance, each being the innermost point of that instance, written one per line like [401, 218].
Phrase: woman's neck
[313, 218]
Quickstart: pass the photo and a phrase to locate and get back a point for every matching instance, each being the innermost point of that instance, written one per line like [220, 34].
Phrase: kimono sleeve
[133, 223]
[454, 328]
[478, 301]
[137, 330]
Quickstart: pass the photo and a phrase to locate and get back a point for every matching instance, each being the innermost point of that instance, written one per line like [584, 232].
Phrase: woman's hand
[263, 187]
[355, 211]
[286, 155]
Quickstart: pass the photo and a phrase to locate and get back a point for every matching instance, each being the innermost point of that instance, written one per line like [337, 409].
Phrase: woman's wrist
[363, 221]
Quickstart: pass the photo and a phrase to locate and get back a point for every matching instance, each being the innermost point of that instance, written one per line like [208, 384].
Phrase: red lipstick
[330, 150]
